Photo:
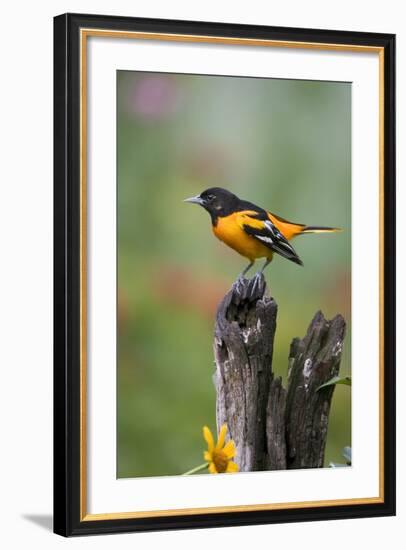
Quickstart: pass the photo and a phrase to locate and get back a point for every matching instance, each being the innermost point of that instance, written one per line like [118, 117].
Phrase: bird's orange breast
[229, 229]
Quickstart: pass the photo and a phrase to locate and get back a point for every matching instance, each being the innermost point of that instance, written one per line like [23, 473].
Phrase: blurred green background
[283, 144]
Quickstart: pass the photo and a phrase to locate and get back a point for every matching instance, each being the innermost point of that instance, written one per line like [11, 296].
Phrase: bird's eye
[210, 197]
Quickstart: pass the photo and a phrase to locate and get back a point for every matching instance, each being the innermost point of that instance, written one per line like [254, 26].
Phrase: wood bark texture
[273, 428]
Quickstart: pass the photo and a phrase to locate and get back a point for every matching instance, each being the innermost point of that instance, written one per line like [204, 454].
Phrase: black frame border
[67, 274]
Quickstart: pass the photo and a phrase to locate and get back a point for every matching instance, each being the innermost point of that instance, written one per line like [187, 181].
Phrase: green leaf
[346, 380]
[346, 452]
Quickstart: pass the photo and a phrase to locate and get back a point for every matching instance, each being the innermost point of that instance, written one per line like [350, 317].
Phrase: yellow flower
[219, 456]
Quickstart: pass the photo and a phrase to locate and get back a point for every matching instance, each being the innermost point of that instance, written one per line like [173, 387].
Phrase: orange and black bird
[250, 230]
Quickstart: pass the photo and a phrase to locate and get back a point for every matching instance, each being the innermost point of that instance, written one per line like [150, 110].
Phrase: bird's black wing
[269, 235]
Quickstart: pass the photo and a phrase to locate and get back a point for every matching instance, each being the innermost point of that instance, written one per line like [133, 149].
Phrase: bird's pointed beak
[195, 200]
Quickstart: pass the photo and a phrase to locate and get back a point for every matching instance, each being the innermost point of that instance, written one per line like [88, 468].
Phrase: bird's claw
[253, 288]
[256, 283]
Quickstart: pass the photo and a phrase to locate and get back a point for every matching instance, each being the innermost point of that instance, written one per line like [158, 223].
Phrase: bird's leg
[241, 275]
[258, 275]
[268, 261]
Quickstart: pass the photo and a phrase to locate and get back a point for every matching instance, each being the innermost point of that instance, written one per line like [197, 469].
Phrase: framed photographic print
[224, 274]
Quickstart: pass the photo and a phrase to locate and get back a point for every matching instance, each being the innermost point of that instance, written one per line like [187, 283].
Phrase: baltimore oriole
[250, 230]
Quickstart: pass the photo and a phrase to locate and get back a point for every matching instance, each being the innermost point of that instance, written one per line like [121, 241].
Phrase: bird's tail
[319, 229]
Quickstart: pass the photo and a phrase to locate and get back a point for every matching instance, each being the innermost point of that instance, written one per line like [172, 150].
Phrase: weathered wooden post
[273, 427]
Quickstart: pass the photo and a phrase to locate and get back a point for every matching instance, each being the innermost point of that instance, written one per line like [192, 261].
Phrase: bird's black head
[217, 201]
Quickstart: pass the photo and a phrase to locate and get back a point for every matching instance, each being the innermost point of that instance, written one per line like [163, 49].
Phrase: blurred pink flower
[153, 97]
